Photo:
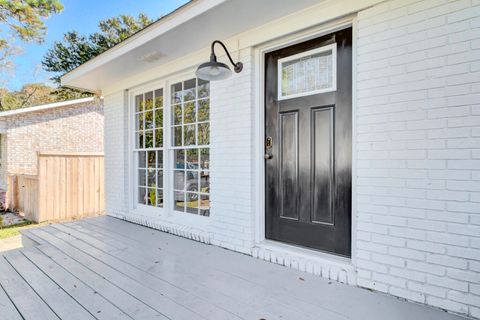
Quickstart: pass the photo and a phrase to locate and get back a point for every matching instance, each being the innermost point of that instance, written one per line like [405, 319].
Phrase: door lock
[268, 143]
[268, 148]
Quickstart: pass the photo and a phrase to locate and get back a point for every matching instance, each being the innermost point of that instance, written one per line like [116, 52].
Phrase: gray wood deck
[105, 268]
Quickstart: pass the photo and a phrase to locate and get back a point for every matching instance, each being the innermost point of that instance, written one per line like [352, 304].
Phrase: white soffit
[188, 29]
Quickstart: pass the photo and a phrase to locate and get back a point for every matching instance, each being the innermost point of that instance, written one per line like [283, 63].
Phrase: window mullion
[167, 144]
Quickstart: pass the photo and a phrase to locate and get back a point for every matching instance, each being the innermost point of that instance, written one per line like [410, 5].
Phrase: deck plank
[116, 267]
[27, 302]
[88, 298]
[7, 308]
[174, 274]
[129, 304]
[253, 296]
[198, 301]
[260, 273]
[57, 299]
[266, 291]
[333, 296]
[31, 236]
[157, 300]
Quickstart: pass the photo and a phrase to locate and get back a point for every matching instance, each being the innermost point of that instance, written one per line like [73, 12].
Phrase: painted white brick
[426, 246]
[447, 238]
[407, 274]
[464, 298]
[472, 207]
[388, 259]
[447, 195]
[379, 286]
[390, 280]
[384, 239]
[448, 261]
[467, 276]
[407, 253]
[407, 294]
[427, 225]
[428, 289]
[426, 267]
[447, 304]
[116, 143]
[447, 283]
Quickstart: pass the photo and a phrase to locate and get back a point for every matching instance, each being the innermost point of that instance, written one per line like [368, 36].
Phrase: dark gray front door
[308, 143]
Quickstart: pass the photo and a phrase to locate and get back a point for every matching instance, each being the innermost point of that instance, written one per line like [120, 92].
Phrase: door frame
[259, 133]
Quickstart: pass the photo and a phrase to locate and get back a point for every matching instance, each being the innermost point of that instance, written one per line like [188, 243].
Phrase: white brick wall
[116, 148]
[418, 151]
[232, 177]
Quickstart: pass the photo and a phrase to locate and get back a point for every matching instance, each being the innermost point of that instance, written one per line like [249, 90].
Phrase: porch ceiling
[105, 268]
[190, 28]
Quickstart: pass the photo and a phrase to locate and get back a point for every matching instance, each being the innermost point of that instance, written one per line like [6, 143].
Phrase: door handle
[268, 156]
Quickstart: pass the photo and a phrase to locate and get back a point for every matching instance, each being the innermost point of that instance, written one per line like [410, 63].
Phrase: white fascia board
[170, 21]
[46, 106]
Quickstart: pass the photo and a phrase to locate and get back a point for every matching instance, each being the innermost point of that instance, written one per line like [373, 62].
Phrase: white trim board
[46, 106]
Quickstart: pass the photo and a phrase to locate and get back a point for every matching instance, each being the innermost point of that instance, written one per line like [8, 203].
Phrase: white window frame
[168, 156]
[171, 147]
[133, 182]
[331, 47]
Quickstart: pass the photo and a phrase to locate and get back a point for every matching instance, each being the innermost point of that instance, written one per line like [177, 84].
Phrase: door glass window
[307, 73]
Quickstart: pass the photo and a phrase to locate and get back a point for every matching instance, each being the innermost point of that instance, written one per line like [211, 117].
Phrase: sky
[82, 16]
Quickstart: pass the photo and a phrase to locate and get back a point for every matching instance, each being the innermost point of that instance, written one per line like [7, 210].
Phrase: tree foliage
[76, 49]
[24, 21]
[29, 95]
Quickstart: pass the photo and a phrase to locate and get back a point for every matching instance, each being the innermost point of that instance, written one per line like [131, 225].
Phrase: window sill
[182, 224]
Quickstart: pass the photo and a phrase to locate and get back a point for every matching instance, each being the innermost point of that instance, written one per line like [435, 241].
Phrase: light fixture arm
[237, 67]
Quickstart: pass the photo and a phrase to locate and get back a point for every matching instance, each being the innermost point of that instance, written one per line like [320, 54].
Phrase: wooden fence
[67, 185]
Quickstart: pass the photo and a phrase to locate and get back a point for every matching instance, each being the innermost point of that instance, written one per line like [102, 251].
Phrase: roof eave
[164, 24]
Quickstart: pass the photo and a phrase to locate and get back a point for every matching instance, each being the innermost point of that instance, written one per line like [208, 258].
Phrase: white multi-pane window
[190, 138]
[149, 149]
[174, 170]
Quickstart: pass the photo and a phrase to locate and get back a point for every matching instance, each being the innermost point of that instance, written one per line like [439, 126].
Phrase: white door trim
[259, 129]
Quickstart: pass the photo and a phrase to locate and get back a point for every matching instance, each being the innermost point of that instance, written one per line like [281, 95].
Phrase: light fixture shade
[213, 70]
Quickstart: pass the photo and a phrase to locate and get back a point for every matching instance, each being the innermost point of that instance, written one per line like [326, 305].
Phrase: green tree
[30, 94]
[24, 21]
[76, 49]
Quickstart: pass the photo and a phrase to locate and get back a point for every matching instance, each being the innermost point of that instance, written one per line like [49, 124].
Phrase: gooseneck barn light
[214, 70]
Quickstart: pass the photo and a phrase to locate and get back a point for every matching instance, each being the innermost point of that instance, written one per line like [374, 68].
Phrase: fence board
[68, 185]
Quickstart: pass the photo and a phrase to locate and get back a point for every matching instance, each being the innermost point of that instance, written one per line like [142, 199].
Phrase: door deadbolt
[268, 148]
[268, 143]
